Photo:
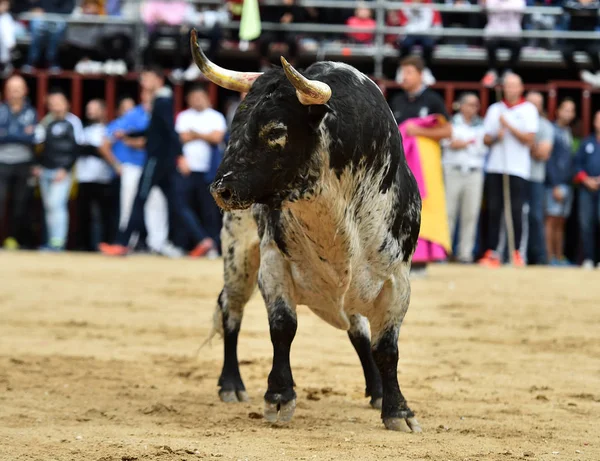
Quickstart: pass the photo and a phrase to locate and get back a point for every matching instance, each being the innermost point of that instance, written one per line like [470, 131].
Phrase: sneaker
[202, 248]
[177, 75]
[109, 67]
[113, 250]
[212, 254]
[588, 264]
[170, 251]
[120, 67]
[490, 79]
[428, 78]
[192, 73]
[83, 66]
[589, 77]
[518, 259]
[11, 244]
[490, 259]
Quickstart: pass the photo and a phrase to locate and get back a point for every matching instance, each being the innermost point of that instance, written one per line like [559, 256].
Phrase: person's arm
[436, 133]
[135, 142]
[524, 137]
[214, 137]
[106, 152]
[541, 151]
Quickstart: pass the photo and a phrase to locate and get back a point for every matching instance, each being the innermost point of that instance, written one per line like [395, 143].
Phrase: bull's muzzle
[224, 192]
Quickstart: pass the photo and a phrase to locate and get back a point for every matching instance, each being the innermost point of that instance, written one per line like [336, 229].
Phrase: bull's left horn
[229, 79]
[309, 92]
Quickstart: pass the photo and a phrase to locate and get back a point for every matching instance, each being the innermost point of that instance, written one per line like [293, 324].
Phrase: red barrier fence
[450, 91]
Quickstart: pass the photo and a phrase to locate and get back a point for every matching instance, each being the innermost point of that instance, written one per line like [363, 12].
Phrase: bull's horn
[229, 79]
[309, 92]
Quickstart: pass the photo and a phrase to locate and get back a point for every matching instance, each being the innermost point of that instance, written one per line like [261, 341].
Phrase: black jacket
[583, 17]
[61, 144]
[162, 141]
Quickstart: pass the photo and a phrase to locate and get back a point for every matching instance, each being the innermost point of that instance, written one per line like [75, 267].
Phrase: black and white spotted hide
[321, 210]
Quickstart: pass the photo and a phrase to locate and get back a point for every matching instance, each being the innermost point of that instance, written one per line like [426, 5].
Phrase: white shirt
[93, 169]
[472, 156]
[198, 153]
[510, 155]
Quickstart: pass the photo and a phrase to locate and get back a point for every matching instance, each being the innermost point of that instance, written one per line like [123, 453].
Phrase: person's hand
[286, 18]
[30, 129]
[118, 168]
[459, 144]
[558, 194]
[183, 166]
[500, 135]
[412, 129]
[61, 175]
[503, 122]
[119, 134]
[591, 183]
[36, 171]
[187, 136]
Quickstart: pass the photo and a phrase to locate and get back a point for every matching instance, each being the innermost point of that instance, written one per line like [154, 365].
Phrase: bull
[321, 209]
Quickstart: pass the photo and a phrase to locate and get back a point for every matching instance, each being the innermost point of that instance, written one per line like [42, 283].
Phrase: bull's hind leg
[241, 258]
[386, 318]
[360, 338]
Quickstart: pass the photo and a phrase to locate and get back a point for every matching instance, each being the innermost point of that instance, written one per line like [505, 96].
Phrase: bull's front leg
[274, 281]
[385, 320]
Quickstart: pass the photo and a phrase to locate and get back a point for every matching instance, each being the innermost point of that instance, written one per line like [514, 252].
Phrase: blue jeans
[589, 216]
[537, 235]
[39, 29]
[410, 41]
[55, 196]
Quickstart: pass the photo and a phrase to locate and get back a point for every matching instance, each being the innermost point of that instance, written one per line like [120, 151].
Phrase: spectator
[94, 177]
[540, 153]
[61, 138]
[510, 126]
[163, 148]
[47, 31]
[542, 22]
[583, 15]
[7, 38]
[288, 13]
[363, 18]
[125, 148]
[463, 159]
[559, 192]
[17, 125]
[503, 29]
[422, 117]
[201, 129]
[587, 168]
[418, 17]
[460, 18]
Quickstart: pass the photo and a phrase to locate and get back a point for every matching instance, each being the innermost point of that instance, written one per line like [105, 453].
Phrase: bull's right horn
[229, 79]
[308, 92]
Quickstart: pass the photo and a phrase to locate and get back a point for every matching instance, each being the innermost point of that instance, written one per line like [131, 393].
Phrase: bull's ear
[316, 114]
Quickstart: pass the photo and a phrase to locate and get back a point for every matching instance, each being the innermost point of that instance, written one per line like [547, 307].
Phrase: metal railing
[380, 8]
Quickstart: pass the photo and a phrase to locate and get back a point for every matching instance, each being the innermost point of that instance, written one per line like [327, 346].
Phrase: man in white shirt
[200, 129]
[510, 127]
[463, 159]
[95, 178]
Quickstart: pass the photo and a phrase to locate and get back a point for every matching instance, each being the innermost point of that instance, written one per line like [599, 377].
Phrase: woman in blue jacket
[587, 174]
[559, 175]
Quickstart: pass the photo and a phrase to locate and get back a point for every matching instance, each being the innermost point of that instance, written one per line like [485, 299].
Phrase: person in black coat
[163, 150]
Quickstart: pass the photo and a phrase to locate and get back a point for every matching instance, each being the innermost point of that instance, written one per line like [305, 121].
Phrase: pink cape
[426, 250]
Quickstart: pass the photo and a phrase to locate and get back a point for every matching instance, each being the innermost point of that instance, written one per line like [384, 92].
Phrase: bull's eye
[274, 134]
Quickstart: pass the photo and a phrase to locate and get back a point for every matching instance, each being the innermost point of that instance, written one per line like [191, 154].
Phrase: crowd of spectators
[106, 46]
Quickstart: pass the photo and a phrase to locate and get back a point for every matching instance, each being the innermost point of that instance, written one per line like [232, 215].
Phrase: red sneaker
[113, 250]
[518, 259]
[490, 259]
[202, 248]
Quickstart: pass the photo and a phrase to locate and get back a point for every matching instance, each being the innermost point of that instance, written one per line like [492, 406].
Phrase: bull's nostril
[226, 194]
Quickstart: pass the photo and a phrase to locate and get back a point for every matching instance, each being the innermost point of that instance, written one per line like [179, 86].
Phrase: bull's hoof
[234, 396]
[279, 412]
[376, 403]
[402, 424]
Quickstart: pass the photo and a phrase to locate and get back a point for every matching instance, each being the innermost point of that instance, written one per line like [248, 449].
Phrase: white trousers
[463, 195]
[156, 210]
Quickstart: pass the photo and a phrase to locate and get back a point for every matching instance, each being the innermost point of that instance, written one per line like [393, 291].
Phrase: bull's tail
[217, 328]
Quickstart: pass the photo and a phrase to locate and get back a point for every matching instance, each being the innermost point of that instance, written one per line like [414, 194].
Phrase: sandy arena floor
[98, 363]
